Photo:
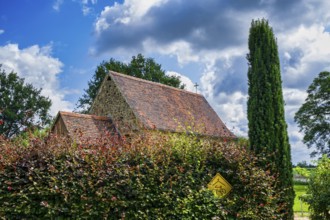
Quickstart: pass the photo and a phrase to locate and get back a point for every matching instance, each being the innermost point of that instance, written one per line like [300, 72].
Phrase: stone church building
[125, 104]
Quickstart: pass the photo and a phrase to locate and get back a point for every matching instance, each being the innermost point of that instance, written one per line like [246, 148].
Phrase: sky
[56, 45]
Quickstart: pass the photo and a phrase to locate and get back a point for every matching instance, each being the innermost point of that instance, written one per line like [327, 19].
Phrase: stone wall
[110, 102]
[59, 128]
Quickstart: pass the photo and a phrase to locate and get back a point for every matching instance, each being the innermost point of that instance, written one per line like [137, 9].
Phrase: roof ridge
[151, 82]
[78, 115]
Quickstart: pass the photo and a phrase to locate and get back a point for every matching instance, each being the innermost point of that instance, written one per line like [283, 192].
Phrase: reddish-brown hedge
[151, 176]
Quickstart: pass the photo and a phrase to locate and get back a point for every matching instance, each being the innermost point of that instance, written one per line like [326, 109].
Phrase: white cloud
[2, 31]
[57, 5]
[299, 150]
[181, 49]
[134, 10]
[101, 23]
[306, 51]
[232, 110]
[189, 85]
[85, 5]
[313, 40]
[293, 100]
[207, 81]
[131, 11]
[230, 106]
[39, 68]
[86, 8]
[85, 2]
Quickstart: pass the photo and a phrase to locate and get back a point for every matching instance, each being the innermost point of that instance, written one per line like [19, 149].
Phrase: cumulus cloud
[305, 54]
[164, 22]
[209, 24]
[127, 13]
[39, 68]
[2, 31]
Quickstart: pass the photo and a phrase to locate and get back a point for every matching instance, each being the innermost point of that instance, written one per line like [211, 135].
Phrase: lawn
[299, 206]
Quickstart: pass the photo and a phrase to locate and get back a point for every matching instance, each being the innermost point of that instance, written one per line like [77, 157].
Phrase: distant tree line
[304, 164]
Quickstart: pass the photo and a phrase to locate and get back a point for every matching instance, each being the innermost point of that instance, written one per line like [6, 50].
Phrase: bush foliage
[152, 176]
[318, 191]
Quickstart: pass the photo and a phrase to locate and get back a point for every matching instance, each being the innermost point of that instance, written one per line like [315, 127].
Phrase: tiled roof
[83, 127]
[167, 108]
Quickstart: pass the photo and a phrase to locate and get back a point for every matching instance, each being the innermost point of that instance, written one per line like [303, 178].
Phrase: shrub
[152, 176]
[318, 191]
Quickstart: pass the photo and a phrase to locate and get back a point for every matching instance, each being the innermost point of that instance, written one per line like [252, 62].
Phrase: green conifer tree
[267, 127]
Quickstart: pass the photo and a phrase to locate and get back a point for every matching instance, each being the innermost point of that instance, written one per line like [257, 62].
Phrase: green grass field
[300, 206]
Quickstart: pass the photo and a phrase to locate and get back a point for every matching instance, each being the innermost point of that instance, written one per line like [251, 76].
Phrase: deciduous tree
[21, 105]
[313, 117]
[318, 193]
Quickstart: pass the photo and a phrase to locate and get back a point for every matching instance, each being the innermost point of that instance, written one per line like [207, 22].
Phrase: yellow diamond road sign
[219, 186]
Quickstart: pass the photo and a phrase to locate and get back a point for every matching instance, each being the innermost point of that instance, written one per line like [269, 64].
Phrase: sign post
[219, 186]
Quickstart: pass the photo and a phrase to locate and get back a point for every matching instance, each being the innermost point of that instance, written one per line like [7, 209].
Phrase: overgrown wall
[110, 102]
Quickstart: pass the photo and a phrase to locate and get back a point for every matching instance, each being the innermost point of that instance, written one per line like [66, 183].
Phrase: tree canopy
[313, 117]
[21, 105]
[139, 66]
[267, 127]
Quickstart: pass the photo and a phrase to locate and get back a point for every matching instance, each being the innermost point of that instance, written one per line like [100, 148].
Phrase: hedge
[152, 176]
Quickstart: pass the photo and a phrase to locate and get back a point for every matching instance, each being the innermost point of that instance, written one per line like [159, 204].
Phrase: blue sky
[57, 44]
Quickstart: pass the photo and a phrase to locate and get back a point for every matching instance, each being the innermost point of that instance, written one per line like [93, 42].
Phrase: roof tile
[167, 108]
[83, 127]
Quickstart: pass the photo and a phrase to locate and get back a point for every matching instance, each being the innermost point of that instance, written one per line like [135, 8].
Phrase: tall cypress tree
[267, 127]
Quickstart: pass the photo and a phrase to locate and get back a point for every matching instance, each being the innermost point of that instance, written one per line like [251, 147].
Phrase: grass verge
[299, 206]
